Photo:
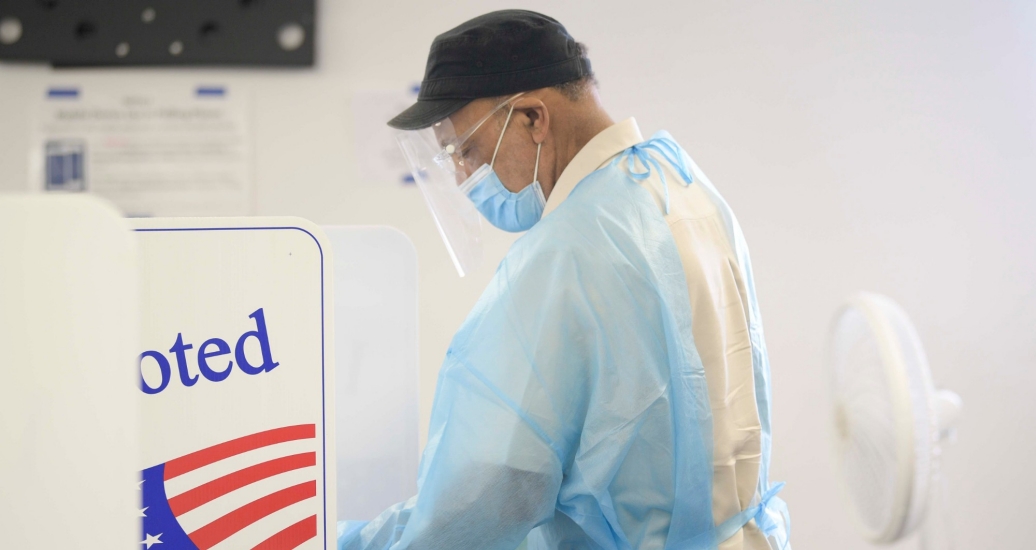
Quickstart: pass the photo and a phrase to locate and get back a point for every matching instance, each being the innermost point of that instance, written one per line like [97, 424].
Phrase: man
[611, 387]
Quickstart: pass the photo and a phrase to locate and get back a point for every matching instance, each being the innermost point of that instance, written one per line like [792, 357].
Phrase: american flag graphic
[257, 491]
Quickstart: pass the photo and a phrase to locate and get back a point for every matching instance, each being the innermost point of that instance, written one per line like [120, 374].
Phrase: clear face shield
[441, 160]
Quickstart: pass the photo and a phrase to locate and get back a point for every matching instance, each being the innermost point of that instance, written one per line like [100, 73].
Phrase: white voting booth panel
[236, 387]
[68, 319]
[377, 368]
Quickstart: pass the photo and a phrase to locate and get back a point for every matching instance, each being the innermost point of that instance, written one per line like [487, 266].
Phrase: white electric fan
[890, 423]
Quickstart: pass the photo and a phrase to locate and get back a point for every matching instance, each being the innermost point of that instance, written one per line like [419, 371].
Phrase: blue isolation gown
[572, 406]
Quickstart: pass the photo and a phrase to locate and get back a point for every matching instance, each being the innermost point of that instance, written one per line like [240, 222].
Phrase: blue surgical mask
[503, 208]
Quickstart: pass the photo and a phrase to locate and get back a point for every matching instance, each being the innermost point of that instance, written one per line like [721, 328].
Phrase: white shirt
[719, 311]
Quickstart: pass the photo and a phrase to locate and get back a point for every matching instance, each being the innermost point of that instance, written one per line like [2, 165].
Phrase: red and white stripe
[257, 491]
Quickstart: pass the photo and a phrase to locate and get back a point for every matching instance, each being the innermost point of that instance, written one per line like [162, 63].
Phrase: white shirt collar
[595, 154]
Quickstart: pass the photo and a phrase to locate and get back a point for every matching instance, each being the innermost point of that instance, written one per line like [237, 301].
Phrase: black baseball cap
[496, 54]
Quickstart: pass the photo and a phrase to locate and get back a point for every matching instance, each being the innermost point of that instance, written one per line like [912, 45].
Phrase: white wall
[886, 145]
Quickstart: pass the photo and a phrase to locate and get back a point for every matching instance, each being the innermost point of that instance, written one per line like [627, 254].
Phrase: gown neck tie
[664, 147]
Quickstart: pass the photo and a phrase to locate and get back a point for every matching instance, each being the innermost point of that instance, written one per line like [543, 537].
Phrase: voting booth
[210, 348]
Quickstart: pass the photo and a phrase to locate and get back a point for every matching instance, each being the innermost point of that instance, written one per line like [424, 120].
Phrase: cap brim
[425, 113]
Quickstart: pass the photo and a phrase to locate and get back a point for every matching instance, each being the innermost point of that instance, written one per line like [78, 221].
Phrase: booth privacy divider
[68, 413]
[377, 370]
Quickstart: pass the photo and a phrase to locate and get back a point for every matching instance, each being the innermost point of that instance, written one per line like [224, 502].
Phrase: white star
[139, 484]
[151, 540]
[142, 510]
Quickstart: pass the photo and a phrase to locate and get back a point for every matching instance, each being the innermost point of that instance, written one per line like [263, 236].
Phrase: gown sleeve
[509, 406]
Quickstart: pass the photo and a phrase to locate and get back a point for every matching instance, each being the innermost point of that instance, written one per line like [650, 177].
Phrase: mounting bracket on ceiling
[82, 33]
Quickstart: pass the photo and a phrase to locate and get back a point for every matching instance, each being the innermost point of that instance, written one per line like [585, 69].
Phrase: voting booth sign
[236, 385]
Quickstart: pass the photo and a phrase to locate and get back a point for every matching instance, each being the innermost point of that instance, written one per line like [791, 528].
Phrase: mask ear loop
[536, 168]
[501, 138]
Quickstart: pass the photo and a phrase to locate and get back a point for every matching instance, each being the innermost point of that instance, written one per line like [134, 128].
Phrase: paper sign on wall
[173, 151]
[378, 157]
[236, 384]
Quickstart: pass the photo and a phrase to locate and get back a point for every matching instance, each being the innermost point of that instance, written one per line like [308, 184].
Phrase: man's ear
[535, 119]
